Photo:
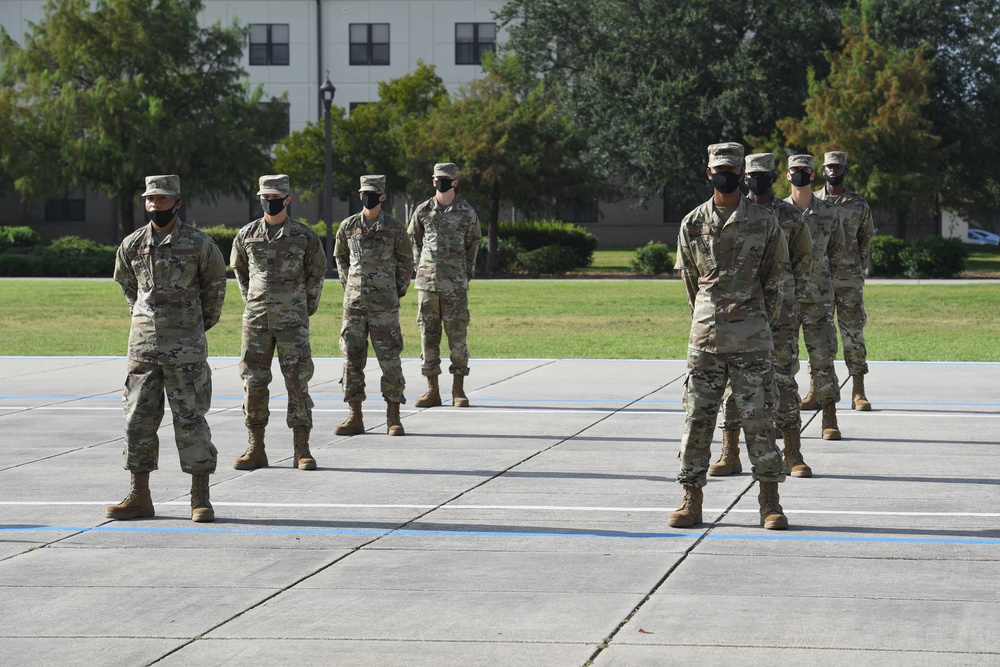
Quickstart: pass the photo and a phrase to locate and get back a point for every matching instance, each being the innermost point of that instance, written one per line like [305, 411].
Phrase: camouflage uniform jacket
[280, 279]
[445, 243]
[174, 290]
[859, 227]
[823, 221]
[799, 244]
[375, 260]
[736, 275]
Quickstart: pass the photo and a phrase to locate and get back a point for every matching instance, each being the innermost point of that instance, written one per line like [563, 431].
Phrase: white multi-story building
[293, 46]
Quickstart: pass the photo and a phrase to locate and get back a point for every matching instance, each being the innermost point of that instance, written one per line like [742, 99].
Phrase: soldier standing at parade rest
[280, 266]
[445, 233]
[849, 274]
[174, 280]
[733, 260]
[375, 260]
[759, 178]
[816, 304]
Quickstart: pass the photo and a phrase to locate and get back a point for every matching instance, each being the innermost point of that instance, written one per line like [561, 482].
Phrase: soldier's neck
[835, 190]
[802, 197]
[762, 199]
[445, 198]
[372, 213]
[167, 228]
[276, 219]
[727, 200]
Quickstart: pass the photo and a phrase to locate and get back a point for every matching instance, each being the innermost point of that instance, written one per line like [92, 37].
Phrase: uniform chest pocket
[291, 256]
[377, 245]
[140, 260]
[183, 263]
[260, 254]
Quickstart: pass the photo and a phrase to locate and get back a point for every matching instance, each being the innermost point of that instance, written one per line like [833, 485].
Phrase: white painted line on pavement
[553, 508]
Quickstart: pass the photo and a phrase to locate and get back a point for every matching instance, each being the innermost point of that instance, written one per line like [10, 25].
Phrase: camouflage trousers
[753, 388]
[188, 389]
[851, 319]
[448, 310]
[387, 339]
[785, 359]
[295, 361]
[816, 320]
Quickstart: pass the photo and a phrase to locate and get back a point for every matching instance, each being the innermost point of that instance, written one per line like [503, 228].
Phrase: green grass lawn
[614, 319]
[983, 259]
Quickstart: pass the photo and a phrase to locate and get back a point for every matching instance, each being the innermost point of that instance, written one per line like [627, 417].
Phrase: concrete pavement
[529, 529]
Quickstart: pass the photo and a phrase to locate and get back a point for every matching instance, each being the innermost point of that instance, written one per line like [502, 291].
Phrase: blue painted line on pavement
[785, 537]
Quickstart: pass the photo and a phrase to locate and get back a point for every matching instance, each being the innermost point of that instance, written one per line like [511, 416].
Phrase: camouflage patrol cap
[760, 162]
[273, 184]
[169, 184]
[729, 153]
[835, 157]
[446, 170]
[800, 161]
[373, 183]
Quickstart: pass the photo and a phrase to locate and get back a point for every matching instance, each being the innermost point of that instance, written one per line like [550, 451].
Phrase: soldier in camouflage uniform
[445, 233]
[174, 280]
[375, 260]
[816, 303]
[733, 259]
[759, 178]
[849, 274]
[280, 266]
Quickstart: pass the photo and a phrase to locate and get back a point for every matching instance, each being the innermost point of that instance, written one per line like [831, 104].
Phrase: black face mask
[759, 185]
[444, 184]
[800, 179]
[273, 206]
[725, 182]
[163, 218]
[370, 199]
[836, 180]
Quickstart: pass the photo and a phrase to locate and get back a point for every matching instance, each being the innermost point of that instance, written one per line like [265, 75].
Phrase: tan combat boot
[303, 458]
[793, 455]
[830, 430]
[354, 424]
[809, 402]
[689, 513]
[858, 399]
[432, 397]
[201, 507]
[254, 457]
[772, 516]
[458, 397]
[137, 504]
[729, 459]
[392, 421]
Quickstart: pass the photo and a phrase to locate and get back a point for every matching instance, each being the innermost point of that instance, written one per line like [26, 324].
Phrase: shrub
[320, 229]
[886, 255]
[532, 235]
[73, 258]
[652, 258]
[548, 259]
[507, 252]
[934, 257]
[223, 237]
[18, 237]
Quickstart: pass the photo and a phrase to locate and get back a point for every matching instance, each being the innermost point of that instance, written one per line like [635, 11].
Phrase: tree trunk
[126, 216]
[492, 257]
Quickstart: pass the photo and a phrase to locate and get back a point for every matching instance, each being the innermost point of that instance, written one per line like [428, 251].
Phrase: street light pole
[326, 91]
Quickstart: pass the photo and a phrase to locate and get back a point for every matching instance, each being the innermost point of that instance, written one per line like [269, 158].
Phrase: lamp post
[326, 91]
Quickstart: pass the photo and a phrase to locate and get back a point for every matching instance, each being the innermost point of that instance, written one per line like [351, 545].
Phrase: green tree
[655, 82]
[871, 106]
[105, 96]
[962, 39]
[514, 144]
[382, 137]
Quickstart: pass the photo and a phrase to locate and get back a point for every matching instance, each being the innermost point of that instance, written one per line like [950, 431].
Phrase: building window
[269, 44]
[472, 40]
[369, 43]
[586, 213]
[71, 208]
